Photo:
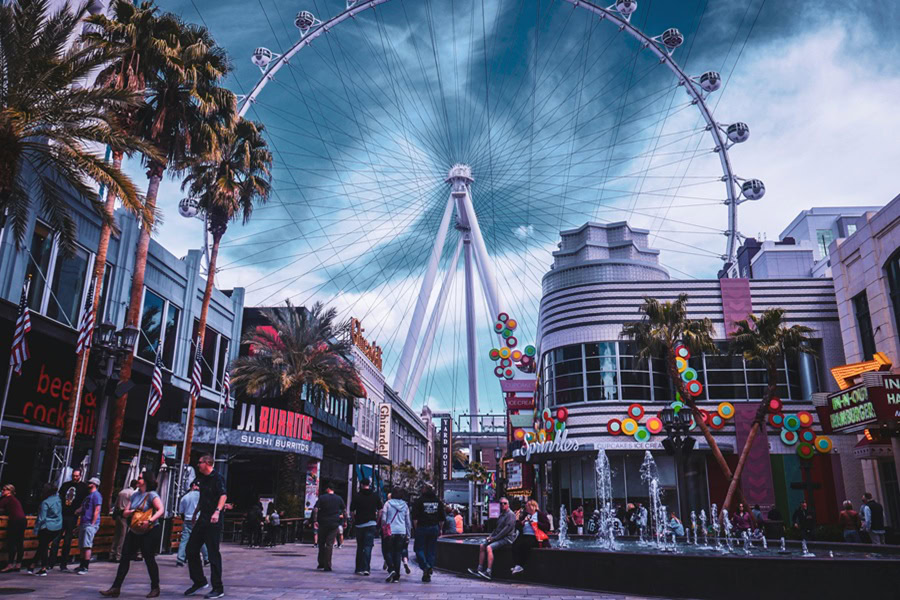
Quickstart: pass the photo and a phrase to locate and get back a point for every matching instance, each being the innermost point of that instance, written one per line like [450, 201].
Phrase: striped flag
[19, 353]
[197, 372]
[156, 392]
[86, 329]
[226, 389]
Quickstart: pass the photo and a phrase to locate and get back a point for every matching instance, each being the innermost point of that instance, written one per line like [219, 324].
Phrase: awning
[344, 449]
[867, 448]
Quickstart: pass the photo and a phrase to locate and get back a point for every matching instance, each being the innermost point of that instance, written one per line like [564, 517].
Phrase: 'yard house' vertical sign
[384, 430]
[446, 449]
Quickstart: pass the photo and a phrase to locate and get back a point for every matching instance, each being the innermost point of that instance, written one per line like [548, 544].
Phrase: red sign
[275, 421]
[519, 403]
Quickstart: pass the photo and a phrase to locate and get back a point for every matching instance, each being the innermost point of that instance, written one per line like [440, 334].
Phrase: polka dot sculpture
[509, 354]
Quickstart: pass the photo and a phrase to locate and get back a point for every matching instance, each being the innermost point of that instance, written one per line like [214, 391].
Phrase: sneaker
[475, 572]
[195, 588]
[485, 574]
[81, 571]
[215, 594]
[390, 578]
[426, 577]
[406, 568]
[205, 563]
[63, 568]
[366, 573]
[517, 569]
[178, 563]
[41, 573]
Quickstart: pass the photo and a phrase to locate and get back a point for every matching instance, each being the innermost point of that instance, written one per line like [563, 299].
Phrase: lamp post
[498, 490]
[110, 347]
[677, 423]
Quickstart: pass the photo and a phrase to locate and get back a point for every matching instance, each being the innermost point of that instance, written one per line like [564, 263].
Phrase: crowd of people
[74, 509]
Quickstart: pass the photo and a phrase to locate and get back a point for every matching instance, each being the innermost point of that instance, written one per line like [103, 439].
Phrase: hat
[95, 481]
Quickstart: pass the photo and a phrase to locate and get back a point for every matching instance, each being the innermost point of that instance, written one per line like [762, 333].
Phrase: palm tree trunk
[111, 458]
[201, 329]
[99, 270]
[290, 472]
[771, 390]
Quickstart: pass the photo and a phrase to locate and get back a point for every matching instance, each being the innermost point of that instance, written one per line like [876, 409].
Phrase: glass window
[893, 275]
[214, 344]
[171, 335]
[864, 325]
[39, 265]
[824, 237]
[851, 229]
[104, 294]
[69, 276]
[151, 325]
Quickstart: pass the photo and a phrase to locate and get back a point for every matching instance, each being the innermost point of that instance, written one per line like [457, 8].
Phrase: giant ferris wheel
[418, 138]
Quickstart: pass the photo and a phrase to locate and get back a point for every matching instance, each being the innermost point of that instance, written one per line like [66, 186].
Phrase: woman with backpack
[143, 534]
[396, 527]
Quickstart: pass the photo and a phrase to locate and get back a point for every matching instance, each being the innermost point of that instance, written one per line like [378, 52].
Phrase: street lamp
[677, 423]
[498, 454]
[110, 347]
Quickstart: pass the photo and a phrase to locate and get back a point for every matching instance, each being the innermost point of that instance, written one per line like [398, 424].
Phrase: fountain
[693, 527]
[705, 530]
[650, 476]
[563, 527]
[726, 526]
[783, 549]
[606, 534]
[806, 551]
[715, 526]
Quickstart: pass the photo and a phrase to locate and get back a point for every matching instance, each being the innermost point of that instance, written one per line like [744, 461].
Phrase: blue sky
[562, 120]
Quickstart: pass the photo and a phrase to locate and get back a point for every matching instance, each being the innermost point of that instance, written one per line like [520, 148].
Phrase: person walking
[207, 530]
[329, 512]
[873, 519]
[533, 527]
[364, 508]
[803, 521]
[72, 494]
[187, 508]
[850, 523]
[47, 527]
[502, 536]
[255, 523]
[144, 531]
[15, 528]
[427, 514]
[90, 523]
[123, 501]
[396, 529]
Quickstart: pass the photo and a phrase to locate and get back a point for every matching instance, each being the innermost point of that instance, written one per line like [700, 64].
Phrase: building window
[159, 325]
[66, 275]
[215, 355]
[824, 237]
[893, 275]
[864, 325]
[851, 229]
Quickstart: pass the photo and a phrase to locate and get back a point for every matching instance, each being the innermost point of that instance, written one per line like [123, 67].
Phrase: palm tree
[52, 123]
[303, 350]
[183, 115]
[663, 327]
[227, 189]
[765, 340]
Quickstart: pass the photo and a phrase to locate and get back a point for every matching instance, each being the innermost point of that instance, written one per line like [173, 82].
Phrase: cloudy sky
[563, 120]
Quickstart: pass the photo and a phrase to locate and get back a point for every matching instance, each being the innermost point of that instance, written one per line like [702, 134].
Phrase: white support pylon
[485, 271]
[471, 341]
[412, 336]
[436, 315]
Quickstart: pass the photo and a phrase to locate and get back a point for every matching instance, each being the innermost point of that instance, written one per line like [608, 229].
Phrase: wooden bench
[102, 540]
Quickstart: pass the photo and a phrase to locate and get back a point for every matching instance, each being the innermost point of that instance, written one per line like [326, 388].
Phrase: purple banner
[736, 302]
[756, 479]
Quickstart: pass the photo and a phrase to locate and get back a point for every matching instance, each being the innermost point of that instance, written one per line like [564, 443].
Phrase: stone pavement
[284, 573]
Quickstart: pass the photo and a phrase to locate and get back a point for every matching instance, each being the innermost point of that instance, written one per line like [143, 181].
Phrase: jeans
[522, 547]
[70, 526]
[147, 544]
[210, 534]
[327, 535]
[185, 538]
[396, 545]
[45, 538]
[119, 537]
[365, 540]
[851, 536]
[15, 540]
[426, 546]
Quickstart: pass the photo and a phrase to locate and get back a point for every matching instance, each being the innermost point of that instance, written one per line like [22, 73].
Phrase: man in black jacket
[364, 508]
[329, 512]
[427, 514]
[72, 493]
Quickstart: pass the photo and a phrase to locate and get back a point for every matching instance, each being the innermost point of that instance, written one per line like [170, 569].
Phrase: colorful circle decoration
[642, 435]
[498, 371]
[560, 426]
[526, 360]
[805, 451]
[704, 415]
[629, 426]
[506, 332]
[823, 444]
[542, 435]
[654, 425]
[562, 414]
[635, 411]
[503, 317]
[546, 415]
[505, 362]
[499, 326]
[789, 437]
[614, 427]
[791, 422]
[693, 423]
[548, 425]
[505, 352]
[726, 410]
[680, 364]
[776, 420]
[775, 405]
[682, 351]
[716, 421]
[516, 355]
[511, 341]
[689, 374]
[807, 435]
[511, 324]
[519, 434]
[530, 350]
[508, 373]
[694, 388]
[495, 354]
[678, 405]
[530, 437]
[806, 419]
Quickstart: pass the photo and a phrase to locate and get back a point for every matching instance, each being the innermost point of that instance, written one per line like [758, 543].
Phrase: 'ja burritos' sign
[560, 444]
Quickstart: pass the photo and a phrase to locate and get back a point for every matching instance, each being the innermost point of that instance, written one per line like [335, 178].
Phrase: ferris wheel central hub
[459, 178]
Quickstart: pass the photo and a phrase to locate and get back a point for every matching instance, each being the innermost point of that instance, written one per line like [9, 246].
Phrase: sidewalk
[286, 573]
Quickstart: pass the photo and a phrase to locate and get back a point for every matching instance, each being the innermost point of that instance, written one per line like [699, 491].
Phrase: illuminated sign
[274, 421]
[514, 479]
[383, 447]
[850, 408]
[845, 374]
[371, 350]
[519, 402]
[446, 441]
[560, 444]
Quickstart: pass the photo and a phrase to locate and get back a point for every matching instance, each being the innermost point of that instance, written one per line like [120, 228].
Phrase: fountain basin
[636, 569]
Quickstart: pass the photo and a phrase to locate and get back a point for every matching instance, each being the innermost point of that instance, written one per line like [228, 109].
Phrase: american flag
[86, 329]
[19, 353]
[156, 392]
[197, 373]
[226, 389]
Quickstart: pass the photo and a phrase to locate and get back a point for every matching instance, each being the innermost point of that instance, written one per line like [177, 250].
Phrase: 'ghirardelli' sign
[560, 444]
[383, 447]
[371, 350]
